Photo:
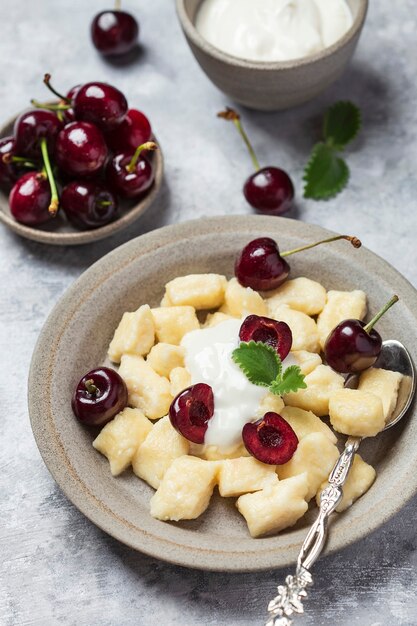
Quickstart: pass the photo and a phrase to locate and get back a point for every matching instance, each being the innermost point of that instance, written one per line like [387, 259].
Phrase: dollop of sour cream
[208, 358]
[273, 30]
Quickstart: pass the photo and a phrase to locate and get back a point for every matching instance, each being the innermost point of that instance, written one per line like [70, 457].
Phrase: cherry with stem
[130, 175]
[269, 190]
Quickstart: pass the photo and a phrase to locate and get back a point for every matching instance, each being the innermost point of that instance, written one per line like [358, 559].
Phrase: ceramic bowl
[75, 339]
[60, 232]
[271, 86]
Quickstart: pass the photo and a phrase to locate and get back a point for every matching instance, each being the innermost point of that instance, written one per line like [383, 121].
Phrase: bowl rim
[200, 42]
[53, 450]
[80, 237]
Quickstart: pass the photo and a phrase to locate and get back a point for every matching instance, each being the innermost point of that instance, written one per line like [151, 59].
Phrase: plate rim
[186, 555]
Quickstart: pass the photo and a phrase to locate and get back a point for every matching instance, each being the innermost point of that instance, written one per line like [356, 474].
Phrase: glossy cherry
[278, 335]
[270, 440]
[353, 346]
[191, 411]
[30, 199]
[101, 104]
[88, 205]
[263, 267]
[31, 127]
[114, 32]
[130, 175]
[269, 190]
[80, 149]
[133, 131]
[99, 396]
[9, 172]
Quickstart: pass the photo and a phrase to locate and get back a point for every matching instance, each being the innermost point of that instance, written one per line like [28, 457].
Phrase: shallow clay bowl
[270, 86]
[60, 232]
[75, 339]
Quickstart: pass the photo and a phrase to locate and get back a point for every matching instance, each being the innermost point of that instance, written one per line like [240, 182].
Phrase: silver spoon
[289, 601]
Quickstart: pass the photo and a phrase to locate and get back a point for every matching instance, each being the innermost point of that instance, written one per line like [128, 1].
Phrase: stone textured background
[56, 567]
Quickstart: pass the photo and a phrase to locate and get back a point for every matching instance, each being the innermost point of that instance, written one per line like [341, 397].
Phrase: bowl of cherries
[77, 169]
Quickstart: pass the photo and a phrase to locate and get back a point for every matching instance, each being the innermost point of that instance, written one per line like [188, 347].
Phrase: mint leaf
[259, 362]
[342, 123]
[291, 380]
[325, 174]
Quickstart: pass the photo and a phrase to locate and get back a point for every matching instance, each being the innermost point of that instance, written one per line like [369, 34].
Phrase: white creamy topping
[273, 30]
[236, 400]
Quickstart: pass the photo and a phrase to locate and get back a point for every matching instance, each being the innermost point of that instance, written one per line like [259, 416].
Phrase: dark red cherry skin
[31, 126]
[269, 190]
[101, 104]
[114, 32]
[260, 265]
[129, 184]
[88, 205]
[80, 149]
[349, 348]
[131, 133]
[69, 115]
[8, 171]
[29, 199]
[191, 411]
[278, 335]
[271, 439]
[96, 409]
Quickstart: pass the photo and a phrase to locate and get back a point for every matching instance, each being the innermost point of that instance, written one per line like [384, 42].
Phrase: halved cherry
[278, 335]
[270, 440]
[191, 411]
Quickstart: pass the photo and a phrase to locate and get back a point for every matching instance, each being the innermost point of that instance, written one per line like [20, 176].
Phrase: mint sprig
[326, 173]
[262, 365]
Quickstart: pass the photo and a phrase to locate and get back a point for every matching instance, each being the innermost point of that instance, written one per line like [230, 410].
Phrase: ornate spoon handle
[289, 600]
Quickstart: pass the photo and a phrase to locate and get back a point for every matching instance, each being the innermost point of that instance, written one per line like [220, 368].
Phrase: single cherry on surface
[354, 346]
[269, 190]
[261, 266]
[131, 175]
[88, 205]
[191, 411]
[80, 149]
[278, 335]
[271, 439]
[30, 199]
[31, 126]
[99, 396]
[101, 104]
[114, 32]
[133, 131]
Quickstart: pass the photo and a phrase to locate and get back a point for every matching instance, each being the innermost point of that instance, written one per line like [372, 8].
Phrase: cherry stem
[11, 158]
[91, 387]
[356, 243]
[47, 81]
[54, 205]
[104, 203]
[369, 326]
[233, 116]
[59, 106]
[149, 145]
[117, 5]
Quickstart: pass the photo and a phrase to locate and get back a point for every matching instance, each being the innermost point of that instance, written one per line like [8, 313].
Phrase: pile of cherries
[81, 154]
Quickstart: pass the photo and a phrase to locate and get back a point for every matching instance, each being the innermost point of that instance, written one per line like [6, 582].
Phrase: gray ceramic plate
[75, 338]
[60, 232]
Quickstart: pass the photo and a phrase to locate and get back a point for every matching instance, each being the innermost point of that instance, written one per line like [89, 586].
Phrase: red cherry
[191, 411]
[270, 440]
[353, 346]
[278, 335]
[269, 190]
[30, 199]
[114, 32]
[132, 132]
[8, 169]
[31, 127]
[80, 149]
[131, 175]
[88, 205]
[101, 104]
[99, 396]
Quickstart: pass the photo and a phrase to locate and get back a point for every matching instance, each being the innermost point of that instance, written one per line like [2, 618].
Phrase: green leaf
[291, 380]
[342, 123]
[325, 174]
[259, 362]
